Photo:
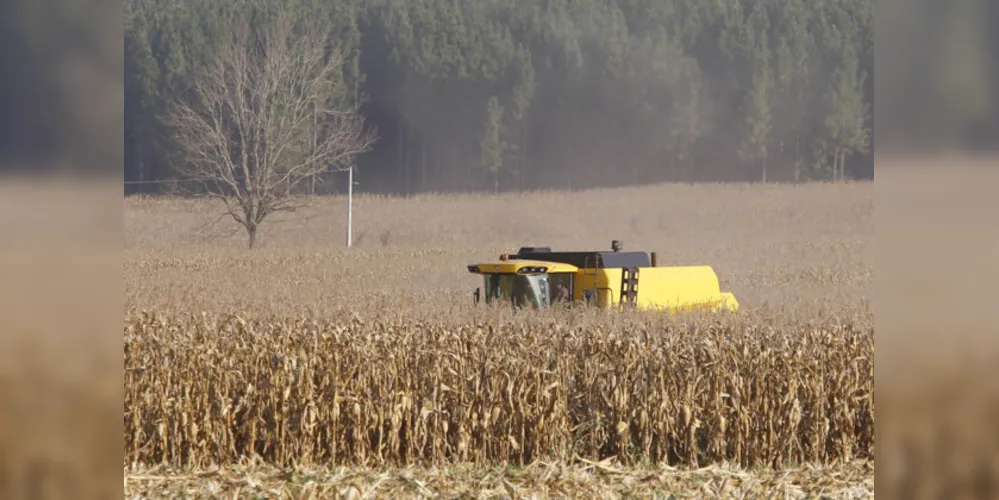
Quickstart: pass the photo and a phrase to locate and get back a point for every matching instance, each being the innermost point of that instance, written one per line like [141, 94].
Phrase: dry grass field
[783, 247]
[300, 355]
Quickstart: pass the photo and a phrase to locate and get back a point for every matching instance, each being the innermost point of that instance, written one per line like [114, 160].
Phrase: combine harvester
[539, 277]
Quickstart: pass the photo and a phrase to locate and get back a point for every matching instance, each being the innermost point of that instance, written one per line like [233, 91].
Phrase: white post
[350, 201]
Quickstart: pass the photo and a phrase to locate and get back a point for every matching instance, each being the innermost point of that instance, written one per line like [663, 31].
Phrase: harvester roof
[527, 259]
[521, 266]
[590, 259]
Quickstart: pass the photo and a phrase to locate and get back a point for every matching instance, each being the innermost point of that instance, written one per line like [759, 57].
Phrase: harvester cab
[537, 277]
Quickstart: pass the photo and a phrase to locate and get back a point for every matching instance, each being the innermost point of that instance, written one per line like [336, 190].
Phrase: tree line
[522, 94]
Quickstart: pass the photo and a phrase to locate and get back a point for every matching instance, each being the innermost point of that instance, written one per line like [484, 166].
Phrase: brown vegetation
[394, 391]
[539, 480]
[793, 248]
[301, 352]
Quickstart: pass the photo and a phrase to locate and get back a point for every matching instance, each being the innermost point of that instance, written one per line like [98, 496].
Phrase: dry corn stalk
[203, 390]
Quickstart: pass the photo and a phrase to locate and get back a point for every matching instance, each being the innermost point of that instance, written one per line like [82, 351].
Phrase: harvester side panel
[605, 283]
[610, 278]
[681, 288]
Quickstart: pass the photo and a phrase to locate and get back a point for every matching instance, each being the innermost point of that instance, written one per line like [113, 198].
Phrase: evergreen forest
[490, 95]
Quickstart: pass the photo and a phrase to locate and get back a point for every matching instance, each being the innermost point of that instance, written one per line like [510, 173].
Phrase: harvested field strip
[202, 390]
[539, 480]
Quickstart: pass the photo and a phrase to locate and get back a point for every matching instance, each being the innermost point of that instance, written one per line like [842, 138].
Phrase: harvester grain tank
[538, 277]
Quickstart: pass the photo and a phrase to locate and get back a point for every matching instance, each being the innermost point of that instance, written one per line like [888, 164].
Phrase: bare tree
[270, 112]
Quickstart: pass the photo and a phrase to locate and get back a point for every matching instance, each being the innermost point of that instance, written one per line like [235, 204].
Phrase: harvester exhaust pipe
[616, 245]
[653, 259]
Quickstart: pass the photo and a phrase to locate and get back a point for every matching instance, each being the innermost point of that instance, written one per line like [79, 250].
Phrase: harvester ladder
[590, 269]
[629, 286]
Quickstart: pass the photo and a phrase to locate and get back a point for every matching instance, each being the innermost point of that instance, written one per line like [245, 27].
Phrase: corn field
[305, 370]
[397, 390]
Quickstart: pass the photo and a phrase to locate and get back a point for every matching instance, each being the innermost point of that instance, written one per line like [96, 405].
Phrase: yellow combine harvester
[538, 277]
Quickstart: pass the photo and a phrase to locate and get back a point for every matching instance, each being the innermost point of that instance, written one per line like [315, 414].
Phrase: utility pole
[350, 176]
[350, 201]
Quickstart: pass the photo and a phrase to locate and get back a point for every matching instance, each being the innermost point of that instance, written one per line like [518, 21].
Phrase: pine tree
[754, 150]
[758, 116]
[846, 114]
[141, 76]
[491, 144]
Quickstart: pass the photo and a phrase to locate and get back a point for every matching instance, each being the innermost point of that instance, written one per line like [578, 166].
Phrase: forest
[490, 95]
